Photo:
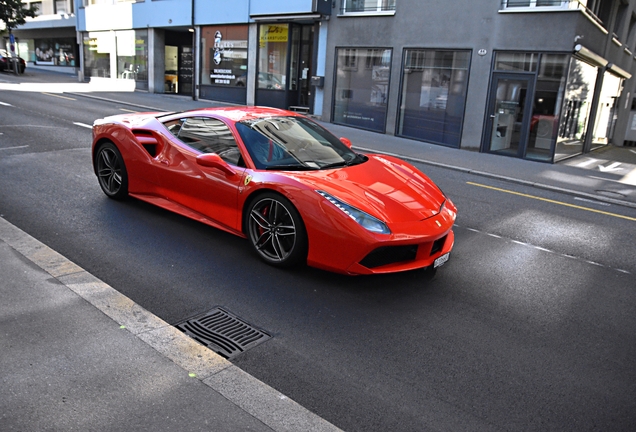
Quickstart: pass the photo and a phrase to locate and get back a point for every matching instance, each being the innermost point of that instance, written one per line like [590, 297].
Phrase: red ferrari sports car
[279, 179]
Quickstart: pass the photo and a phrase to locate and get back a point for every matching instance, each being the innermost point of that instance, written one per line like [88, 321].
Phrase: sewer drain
[223, 333]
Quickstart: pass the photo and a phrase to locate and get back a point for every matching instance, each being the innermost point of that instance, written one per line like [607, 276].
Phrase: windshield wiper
[355, 161]
[335, 165]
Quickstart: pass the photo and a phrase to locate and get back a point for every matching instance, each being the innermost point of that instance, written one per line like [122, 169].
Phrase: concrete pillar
[321, 61]
[156, 60]
[252, 53]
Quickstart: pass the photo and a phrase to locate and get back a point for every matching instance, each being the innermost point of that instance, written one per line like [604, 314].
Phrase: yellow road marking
[552, 201]
[58, 96]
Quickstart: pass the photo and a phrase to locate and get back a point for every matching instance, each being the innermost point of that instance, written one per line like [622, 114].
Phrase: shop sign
[274, 33]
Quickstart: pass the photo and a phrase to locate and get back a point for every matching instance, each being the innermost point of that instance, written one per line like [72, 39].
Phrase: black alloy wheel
[111, 171]
[276, 230]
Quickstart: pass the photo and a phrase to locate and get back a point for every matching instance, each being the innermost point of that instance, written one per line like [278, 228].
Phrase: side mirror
[346, 141]
[213, 160]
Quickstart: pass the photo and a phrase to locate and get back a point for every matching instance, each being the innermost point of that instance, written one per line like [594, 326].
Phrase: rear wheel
[276, 231]
[111, 171]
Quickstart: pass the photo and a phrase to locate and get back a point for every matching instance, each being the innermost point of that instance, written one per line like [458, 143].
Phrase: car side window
[174, 126]
[209, 135]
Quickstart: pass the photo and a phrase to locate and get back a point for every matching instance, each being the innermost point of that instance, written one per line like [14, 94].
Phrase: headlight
[369, 222]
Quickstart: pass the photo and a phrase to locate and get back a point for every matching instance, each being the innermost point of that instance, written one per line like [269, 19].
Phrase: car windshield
[294, 143]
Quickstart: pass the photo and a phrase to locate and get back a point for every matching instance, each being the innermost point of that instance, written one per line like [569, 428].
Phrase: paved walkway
[78, 355]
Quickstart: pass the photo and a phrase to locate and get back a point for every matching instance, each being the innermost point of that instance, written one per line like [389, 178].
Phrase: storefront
[433, 98]
[285, 63]
[179, 62]
[117, 54]
[54, 52]
[361, 87]
[549, 106]
[224, 63]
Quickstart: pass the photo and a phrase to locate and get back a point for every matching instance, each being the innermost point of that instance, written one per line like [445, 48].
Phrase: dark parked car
[6, 62]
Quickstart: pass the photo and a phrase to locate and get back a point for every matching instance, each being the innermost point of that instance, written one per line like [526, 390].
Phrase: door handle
[492, 116]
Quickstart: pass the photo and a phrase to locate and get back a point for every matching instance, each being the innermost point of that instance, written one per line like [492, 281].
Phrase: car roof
[241, 113]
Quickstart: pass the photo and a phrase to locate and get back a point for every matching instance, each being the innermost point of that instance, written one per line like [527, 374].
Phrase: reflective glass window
[362, 87]
[224, 56]
[579, 92]
[606, 114]
[548, 97]
[209, 135]
[272, 56]
[516, 62]
[434, 85]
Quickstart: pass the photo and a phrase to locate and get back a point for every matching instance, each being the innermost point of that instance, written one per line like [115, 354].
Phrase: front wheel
[276, 231]
[111, 171]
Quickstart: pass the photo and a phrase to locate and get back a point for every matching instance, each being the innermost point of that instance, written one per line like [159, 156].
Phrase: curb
[256, 398]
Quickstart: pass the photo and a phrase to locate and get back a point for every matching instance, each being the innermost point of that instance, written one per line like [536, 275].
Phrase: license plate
[441, 260]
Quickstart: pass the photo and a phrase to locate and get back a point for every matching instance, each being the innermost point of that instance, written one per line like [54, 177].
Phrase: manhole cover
[610, 194]
[223, 333]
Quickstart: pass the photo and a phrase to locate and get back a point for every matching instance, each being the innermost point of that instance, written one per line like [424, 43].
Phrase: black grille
[389, 255]
[438, 245]
[222, 332]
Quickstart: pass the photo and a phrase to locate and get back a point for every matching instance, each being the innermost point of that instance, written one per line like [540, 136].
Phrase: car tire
[111, 171]
[276, 231]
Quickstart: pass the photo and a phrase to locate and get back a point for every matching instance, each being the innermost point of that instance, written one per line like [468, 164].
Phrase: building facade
[535, 79]
[541, 80]
[49, 40]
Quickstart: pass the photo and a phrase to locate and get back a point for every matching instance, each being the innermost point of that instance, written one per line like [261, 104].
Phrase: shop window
[433, 98]
[55, 51]
[361, 93]
[606, 114]
[132, 56]
[546, 107]
[516, 62]
[224, 56]
[579, 92]
[272, 56]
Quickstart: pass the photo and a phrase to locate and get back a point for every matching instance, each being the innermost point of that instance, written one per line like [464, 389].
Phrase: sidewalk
[78, 355]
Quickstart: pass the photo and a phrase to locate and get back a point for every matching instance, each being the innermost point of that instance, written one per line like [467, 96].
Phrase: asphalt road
[530, 325]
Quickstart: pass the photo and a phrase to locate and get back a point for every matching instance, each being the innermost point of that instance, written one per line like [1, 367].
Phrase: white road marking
[548, 250]
[83, 125]
[587, 162]
[610, 168]
[11, 148]
[5, 104]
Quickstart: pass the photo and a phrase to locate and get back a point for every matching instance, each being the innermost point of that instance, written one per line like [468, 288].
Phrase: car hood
[383, 186]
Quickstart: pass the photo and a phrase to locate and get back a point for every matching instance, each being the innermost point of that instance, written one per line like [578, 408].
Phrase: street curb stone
[253, 396]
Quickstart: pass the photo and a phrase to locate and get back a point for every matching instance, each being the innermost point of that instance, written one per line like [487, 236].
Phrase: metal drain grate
[223, 333]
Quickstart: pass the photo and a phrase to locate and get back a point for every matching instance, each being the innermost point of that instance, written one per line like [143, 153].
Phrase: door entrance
[509, 113]
[300, 97]
[285, 65]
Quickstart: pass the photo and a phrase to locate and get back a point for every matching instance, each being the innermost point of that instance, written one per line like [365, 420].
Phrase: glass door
[509, 113]
[302, 43]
